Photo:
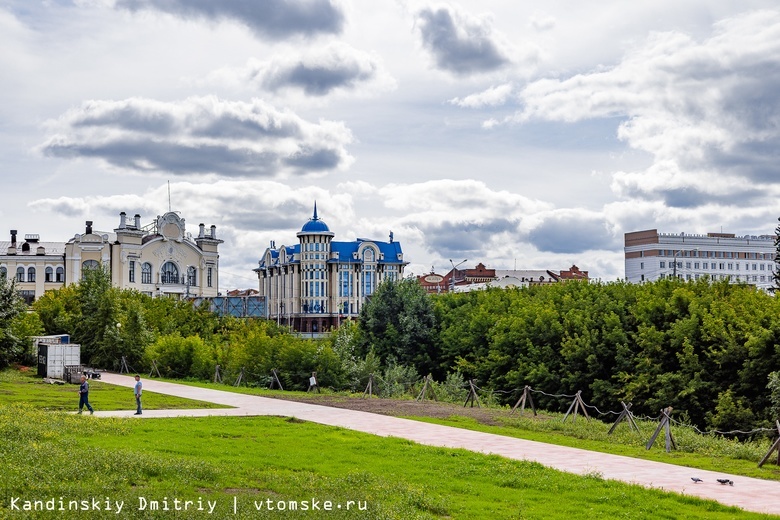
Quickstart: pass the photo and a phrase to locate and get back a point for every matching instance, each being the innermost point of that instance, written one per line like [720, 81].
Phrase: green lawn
[694, 450]
[262, 459]
[271, 461]
[30, 390]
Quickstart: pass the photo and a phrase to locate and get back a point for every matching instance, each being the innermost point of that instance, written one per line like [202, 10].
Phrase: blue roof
[315, 225]
[347, 253]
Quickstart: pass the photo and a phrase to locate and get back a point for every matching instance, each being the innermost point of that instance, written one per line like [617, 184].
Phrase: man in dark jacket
[84, 396]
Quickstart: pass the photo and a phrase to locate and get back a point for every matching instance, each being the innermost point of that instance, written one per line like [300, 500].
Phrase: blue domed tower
[315, 238]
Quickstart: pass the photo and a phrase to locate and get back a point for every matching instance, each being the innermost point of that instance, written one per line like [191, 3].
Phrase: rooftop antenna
[169, 196]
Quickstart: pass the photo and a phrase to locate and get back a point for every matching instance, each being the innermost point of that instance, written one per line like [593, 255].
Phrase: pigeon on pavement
[725, 481]
[696, 479]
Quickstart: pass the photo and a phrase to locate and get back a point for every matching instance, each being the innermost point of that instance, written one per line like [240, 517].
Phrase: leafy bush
[182, 357]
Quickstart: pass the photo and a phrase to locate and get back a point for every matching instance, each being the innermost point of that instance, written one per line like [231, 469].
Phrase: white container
[52, 359]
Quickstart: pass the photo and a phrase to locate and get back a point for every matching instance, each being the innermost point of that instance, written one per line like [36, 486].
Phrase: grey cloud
[463, 238]
[692, 198]
[462, 47]
[276, 19]
[175, 158]
[318, 80]
[572, 233]
[200, 136]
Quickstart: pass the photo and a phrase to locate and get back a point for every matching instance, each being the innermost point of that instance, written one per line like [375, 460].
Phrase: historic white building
[650, 255]
[314, 284]
[158, 259]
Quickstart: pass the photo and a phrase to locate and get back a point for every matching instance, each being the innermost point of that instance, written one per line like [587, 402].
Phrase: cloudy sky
[517, 134]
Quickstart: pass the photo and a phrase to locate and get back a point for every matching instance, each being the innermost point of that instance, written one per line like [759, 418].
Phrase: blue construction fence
[237, 306]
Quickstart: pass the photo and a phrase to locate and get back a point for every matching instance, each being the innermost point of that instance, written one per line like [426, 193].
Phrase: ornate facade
[313, 285]
[158, 259]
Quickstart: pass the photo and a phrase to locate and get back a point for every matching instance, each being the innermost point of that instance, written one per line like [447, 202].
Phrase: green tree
[96, 329]
[398, 323]
[11, 307]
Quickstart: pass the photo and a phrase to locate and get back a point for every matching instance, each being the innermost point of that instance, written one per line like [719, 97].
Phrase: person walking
[138, 392]
[84, 396]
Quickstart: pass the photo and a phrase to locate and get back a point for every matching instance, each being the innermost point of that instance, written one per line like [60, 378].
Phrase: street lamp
[674, 259]
[452, 278]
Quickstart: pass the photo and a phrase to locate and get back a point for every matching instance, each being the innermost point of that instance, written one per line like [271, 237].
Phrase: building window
[60, 275]
[368, 280]
[169, 274]
[3, 272]
[146, 272]
[86, 265]
[641, 265]
[209, 277]
[131, 271]
[28, 296]
[663, 264]
[48, 274]
[191, 276]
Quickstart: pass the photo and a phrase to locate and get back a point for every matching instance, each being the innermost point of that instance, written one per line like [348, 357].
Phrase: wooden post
[625, 414]
[577, 404]
[217, 377]
[275, 380]
[240, 377]
[369, 387]
[472, 396]
[775, 446]
[526, 397]
[154, 369]
[428, 379]
[123, 367]
[665, 425]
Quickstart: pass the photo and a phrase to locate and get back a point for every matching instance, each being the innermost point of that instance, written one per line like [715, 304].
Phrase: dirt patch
[403, 407]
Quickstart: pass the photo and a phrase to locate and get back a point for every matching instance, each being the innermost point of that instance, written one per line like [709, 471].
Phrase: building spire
[315, 211]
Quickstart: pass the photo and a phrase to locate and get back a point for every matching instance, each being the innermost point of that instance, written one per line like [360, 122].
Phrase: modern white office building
[314, 284]
[650, 255]
[158, 259]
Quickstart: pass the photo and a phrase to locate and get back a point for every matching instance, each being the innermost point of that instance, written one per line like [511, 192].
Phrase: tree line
[711, 350]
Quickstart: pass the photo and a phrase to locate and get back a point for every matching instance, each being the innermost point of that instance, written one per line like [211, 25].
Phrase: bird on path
[696, 479]
[725, 481]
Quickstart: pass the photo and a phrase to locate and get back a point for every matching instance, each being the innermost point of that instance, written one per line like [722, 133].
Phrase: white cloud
[707, 111]
[494, 96]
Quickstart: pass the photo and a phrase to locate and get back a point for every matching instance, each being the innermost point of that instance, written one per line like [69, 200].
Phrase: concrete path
[751, 494]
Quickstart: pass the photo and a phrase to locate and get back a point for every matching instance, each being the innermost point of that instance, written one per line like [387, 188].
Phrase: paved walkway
[751, 494]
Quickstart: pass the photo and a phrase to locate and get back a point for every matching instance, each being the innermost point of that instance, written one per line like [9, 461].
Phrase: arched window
[87, 265]
[20, 274]
[60, 274]
[3, 272]
[191, 276]
[368, 255]
[169, 273]
[146, 272]
[30, 274]
[49, 274]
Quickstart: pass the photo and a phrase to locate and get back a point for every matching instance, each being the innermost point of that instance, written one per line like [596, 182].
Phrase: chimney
[213, 231]
[89, 227]
[137, 221]
[202, 232]
[13, 238]
[122, 220]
